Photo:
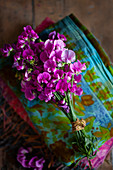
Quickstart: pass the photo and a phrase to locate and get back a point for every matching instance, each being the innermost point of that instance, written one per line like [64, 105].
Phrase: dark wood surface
[96, 15]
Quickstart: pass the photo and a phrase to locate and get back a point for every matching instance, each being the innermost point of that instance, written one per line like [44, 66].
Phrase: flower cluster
[48, 66]
[50, 72]
[34, 162]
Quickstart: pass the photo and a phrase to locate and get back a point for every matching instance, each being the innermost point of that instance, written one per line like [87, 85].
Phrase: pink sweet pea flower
[62, 86]
[78, 91]
[44, 56]
[44, 77]
[72, 88]
[61, 36]
[52, 35]
[77, 78]
[49, 46]
[77, 67]
[28, 54]
[59, 44]
[68, 56]
[6, 50]
[36, 163]
[58, 74]
[50, 66]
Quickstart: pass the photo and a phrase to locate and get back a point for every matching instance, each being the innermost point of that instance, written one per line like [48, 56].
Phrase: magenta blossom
[17, 56]
[68, 76]
[59, 44]
[50, 66]
[38, 47]
[28, 29]
[45, 95]
[44, 77]
[42, 96]
[29, 94]
[62, 86]
[31, 33]
[35, 162]
[49, 46]
[72, 88]
[77, 78]
[28, 54]
[58, 74]
[21, 158]
[6, 50]
[77, 67]
[19, 65]
[61, 36]
[44, 56]
[52, 35]
[79, 91]
[22, 38]
[68, 56]
[28, 89]
[58, 54]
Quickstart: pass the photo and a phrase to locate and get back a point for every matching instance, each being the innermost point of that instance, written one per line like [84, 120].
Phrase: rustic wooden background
[96, 15]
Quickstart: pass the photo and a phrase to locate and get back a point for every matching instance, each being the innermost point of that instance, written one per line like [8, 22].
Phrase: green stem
[72, 115]
[90, 165]
[59, 98]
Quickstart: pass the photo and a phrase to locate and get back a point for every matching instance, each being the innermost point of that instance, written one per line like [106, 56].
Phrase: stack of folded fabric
[95, 105]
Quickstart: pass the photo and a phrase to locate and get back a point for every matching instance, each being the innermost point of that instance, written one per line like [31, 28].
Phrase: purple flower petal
[38, 47]
[44, 56]
[68, 76]
[29, 94]
[28, 54]
[49, 46]
[72, 88]
[62, 85]
[77, 67]
[32, 162]
[77, 78]
[52, 35]
[50, 66]
[59, 44]
[78, 91]
[25, 163]
[28, 29]
[61, 36]
[42, 96]
[68, 56]
[48, 91]
[23, 150]
[19, 65]
[44, 77]
[58, 54]
[40, 162]
[6, 50]
[58, 74]
[17, 56]
[33, 36]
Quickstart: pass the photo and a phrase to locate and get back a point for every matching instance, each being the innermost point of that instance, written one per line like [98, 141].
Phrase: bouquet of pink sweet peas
[50, 71]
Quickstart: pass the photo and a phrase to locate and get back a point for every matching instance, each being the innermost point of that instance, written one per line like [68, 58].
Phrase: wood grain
[96, 15]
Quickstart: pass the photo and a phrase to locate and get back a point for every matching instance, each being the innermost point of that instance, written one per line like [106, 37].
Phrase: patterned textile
[95, 105]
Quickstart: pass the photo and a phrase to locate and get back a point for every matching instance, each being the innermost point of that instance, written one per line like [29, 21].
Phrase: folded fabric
[95, 105]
